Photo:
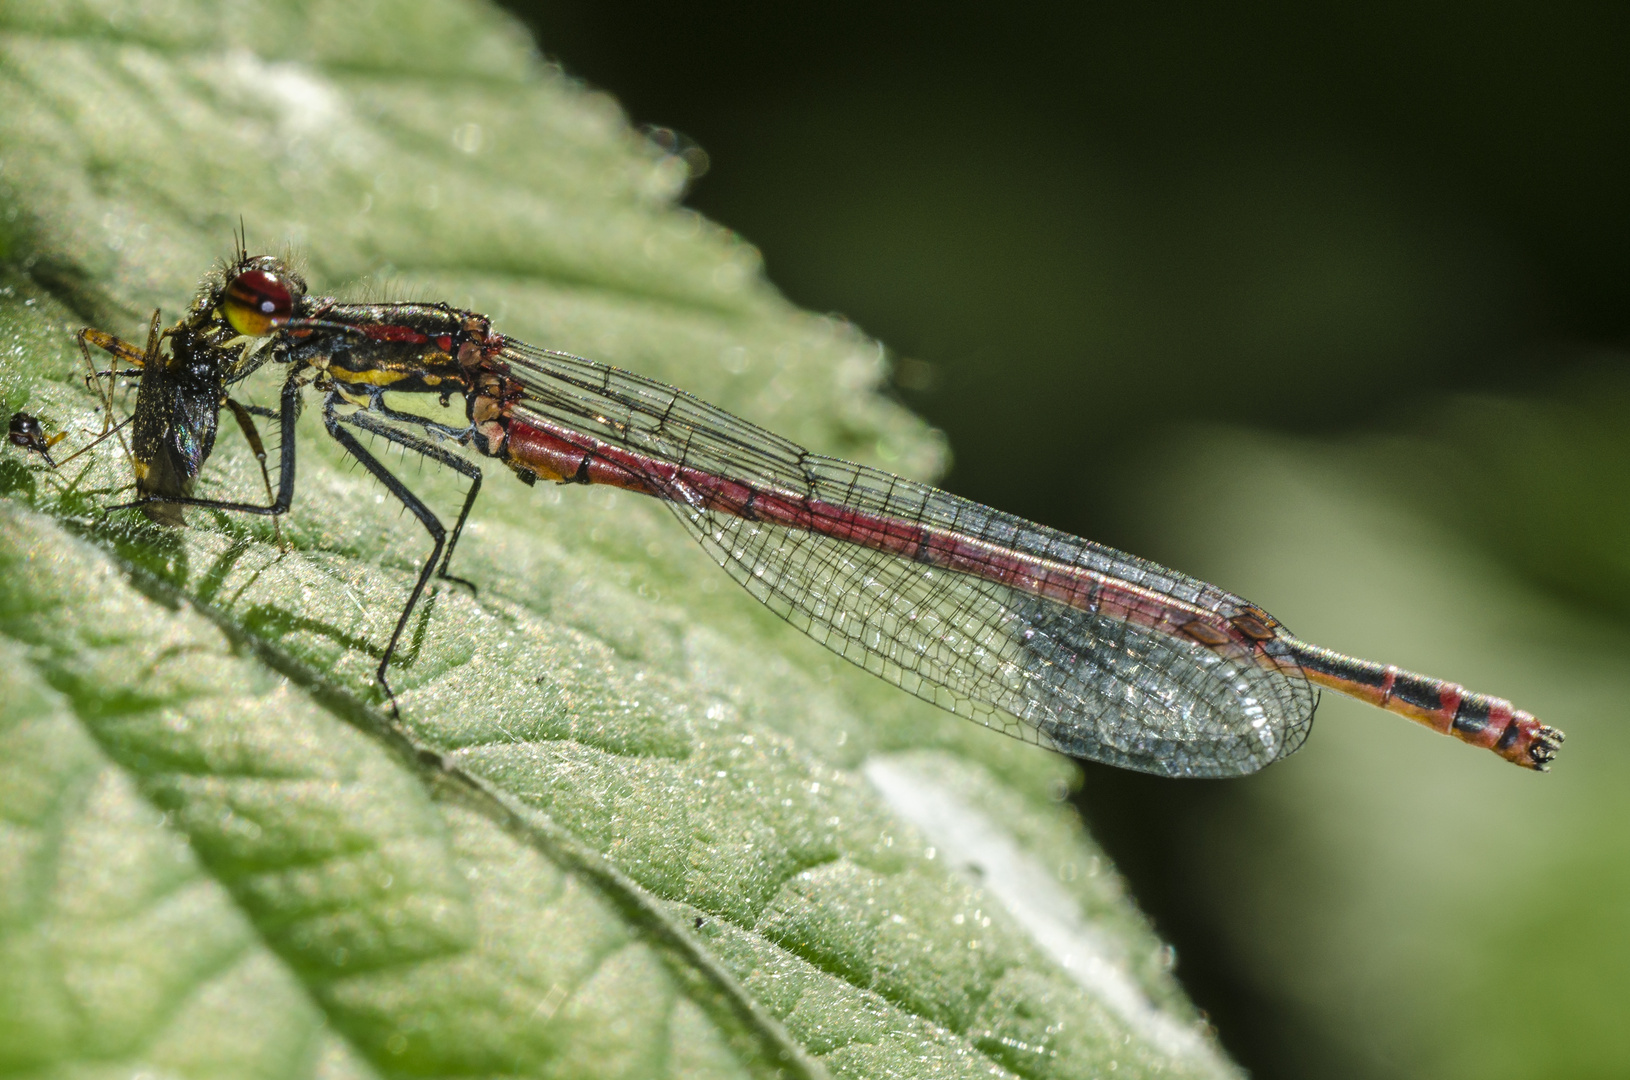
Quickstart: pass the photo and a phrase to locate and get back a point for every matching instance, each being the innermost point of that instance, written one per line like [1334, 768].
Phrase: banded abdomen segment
[1445, 707]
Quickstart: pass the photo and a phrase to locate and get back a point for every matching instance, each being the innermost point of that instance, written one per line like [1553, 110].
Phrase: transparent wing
[1082, 682]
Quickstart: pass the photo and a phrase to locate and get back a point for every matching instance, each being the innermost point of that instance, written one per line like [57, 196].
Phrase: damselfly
[1031, 631]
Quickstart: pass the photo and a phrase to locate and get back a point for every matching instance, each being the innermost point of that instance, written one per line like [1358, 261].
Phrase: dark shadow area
[1092, 221]
[1147, 825]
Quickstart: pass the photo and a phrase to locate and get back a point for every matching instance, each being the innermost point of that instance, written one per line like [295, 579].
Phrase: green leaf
[630, 824]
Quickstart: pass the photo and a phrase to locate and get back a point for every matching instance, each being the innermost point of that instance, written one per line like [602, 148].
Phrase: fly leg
[119, 349]
[240, 413]
[28, 432]
[438, 532]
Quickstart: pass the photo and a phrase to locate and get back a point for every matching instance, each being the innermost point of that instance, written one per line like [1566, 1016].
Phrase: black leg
[427, 518]
[377, 405]
[285, 467]
[441, 457]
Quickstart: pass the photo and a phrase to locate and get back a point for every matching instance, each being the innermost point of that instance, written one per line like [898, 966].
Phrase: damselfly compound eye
[257, 302]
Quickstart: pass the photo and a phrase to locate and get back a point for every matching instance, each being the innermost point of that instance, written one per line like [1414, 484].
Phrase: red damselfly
[1042, 635]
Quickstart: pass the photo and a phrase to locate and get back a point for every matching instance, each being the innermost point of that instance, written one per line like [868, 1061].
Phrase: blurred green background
[1325, 304]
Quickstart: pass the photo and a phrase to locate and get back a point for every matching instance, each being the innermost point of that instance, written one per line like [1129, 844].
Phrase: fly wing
[1086, 683]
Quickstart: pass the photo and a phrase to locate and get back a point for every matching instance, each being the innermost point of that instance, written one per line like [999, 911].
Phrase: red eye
[257, 302]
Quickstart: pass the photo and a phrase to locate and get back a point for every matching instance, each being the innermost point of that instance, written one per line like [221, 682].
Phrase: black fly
[179, 399]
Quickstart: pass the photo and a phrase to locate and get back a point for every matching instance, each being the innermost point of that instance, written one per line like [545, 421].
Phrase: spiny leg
[437, 454]
[412, 502]
[376, 404]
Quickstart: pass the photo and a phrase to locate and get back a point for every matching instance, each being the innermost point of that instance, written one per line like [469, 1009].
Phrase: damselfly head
[260, 294]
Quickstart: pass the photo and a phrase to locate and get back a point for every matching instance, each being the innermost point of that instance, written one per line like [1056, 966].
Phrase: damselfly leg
[443, 543]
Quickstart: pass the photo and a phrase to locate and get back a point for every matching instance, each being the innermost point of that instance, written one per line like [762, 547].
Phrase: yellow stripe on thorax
[369, 376]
